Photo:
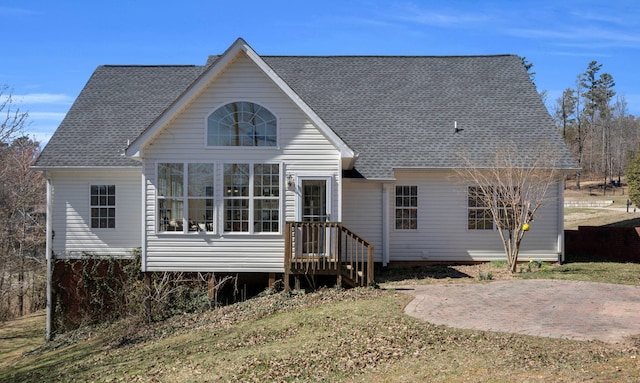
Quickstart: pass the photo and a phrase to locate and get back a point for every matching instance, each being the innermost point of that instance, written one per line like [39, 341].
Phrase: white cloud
[9, 11]
[42, 98]
[41, 137]
[55, 116]
[454, 18]
[581, 37]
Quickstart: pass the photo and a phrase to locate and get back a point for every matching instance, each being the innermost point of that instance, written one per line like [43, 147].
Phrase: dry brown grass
[358, 335]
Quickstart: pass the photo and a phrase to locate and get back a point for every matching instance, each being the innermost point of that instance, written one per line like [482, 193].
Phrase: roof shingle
[394, 111]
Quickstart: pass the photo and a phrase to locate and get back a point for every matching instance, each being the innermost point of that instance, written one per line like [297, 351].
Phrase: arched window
[242, 124]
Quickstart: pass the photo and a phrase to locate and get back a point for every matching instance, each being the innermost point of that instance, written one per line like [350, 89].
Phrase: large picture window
[249, 201]
[251, 195]
[199, 197]
[242, 124]
[406, 207]
[103, 206]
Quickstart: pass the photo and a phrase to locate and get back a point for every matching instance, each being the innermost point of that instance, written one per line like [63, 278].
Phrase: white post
[561, 220]
[50, 258]
[385, 222]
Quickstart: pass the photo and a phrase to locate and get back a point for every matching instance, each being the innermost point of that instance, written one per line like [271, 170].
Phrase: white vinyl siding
[362, 212]
[443, 233]
[302, 150]
[73, 235]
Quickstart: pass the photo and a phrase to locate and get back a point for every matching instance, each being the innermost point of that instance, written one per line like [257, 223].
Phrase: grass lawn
[358, 335]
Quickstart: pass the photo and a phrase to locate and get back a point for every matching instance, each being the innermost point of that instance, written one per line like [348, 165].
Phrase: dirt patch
[435, 274]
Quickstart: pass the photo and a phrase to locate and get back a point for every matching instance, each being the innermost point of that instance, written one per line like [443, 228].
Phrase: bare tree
[564, 110]
[512, 188]
[22, 234]
[12, 120]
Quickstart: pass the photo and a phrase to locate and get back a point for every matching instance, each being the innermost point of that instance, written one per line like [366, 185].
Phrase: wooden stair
[341, 252]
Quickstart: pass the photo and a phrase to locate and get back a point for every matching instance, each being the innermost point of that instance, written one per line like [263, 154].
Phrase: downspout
[143, 235]
[50, 258]
[385, 223]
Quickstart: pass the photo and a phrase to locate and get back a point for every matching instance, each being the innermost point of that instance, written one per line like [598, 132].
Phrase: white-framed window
[249, 202]
[251, 198]
[103, 206]
[200, 197]
[185, 197]
[478, 211]
[266, 204]
[241, 124]
[170, 196]
[406, 207]
[479, 206]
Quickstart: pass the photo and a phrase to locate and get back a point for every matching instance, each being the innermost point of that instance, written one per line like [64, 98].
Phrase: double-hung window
[251, 198]
[236, 197]
[479, 212]
[406, 207]
[200, 197]
[103, 206]
[185, 197]
[171, 197]
[266, 192]
[502, 200]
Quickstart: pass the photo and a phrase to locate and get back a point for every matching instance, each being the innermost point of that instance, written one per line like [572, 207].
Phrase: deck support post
[272, 280]
[287, 257]
[370, 280]
[211, 286]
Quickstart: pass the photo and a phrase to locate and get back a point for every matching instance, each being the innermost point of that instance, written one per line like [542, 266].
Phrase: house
[248, 160]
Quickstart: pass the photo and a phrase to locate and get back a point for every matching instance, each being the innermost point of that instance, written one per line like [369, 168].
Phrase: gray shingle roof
[394, 111]
[400, 111]
[116, 105]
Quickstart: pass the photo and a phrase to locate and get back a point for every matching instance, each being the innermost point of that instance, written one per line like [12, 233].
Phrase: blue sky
[51, 48]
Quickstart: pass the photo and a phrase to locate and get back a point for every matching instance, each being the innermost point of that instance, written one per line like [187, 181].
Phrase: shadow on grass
[419, 272]
[589, 258]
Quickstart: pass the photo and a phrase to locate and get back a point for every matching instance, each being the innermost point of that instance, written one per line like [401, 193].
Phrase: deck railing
[327, 248]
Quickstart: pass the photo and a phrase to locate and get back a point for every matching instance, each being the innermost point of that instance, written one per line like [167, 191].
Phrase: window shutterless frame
[406, 207]
[252, 198]
[102, 206]
[185, 197]
[241, 124]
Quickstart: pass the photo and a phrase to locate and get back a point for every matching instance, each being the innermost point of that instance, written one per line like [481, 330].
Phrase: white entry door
[315, 206]
[314, 200]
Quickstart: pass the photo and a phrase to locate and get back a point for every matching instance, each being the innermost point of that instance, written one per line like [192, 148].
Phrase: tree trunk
[21, 291]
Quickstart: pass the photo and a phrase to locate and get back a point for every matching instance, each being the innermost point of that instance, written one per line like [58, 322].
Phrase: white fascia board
[345, 151]
[135, 149]
[92, 168]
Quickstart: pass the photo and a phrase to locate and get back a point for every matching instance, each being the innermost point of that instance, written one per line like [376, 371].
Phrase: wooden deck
[327, 248]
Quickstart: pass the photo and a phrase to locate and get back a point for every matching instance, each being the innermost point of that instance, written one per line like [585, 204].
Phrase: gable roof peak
[215, 67]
